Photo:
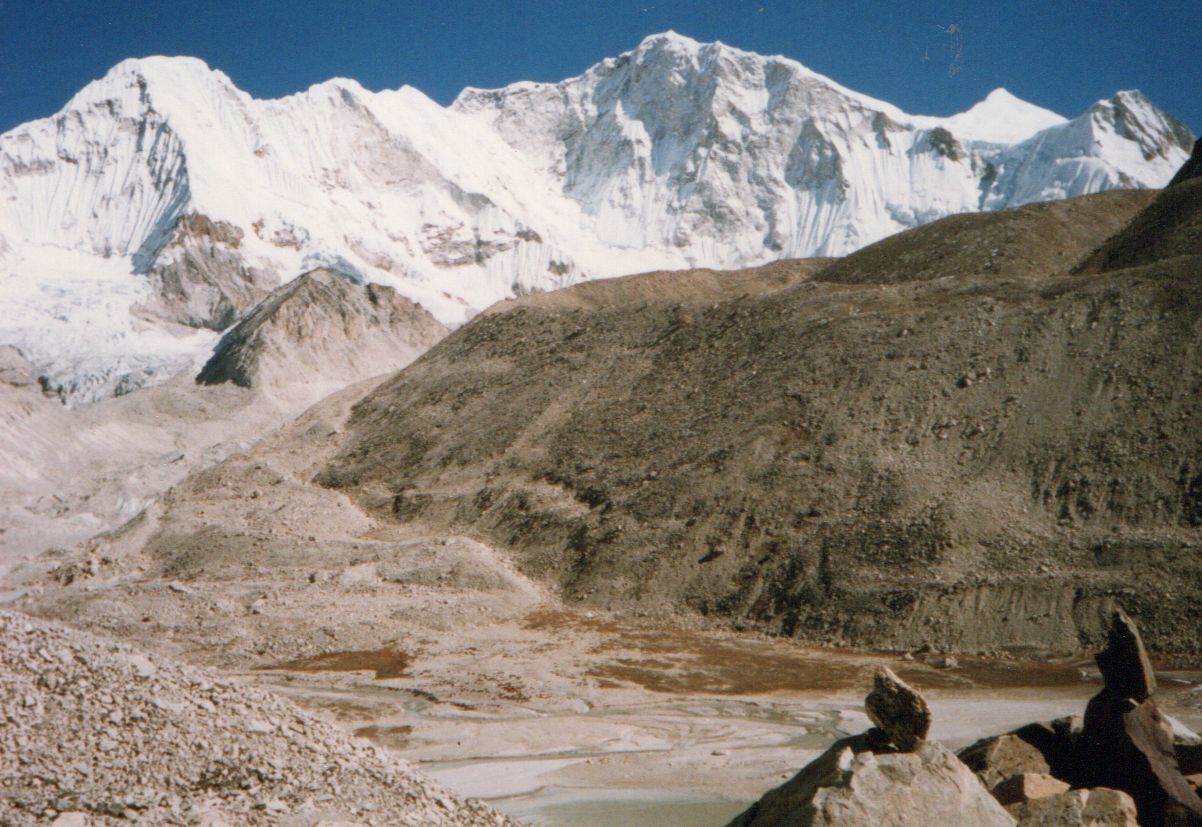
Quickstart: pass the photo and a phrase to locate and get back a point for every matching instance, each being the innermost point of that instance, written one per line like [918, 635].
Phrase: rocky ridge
[320, 333]
[73, 473]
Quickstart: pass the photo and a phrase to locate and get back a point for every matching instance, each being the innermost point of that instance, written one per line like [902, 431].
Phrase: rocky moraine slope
[979, 434]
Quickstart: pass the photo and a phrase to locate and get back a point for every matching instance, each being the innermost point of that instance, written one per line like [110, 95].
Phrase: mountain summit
[162, 202]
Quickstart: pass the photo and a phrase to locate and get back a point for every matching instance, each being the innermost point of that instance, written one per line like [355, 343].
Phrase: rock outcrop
[865, 781]
[1127, 743]
[321, 332]
[1124, 743]
[199, 278]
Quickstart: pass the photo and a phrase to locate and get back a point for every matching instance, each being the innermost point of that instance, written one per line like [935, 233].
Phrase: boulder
[850, 786]
[1129, 746]
[1003, 756]
[1027, 786]
[1099, 807]
[899, 711]
[1124, 662]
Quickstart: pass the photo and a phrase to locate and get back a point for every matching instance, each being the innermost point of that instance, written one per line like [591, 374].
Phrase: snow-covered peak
[670, 40]
[1135, 118]
[1002, 118]
[165, 83]
[676, 153]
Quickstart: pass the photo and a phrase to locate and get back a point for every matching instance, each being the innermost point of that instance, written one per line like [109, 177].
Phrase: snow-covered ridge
[165, 189]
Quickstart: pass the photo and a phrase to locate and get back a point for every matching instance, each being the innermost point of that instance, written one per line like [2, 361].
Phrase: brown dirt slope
[1170, 226]
[981, 461]
[1033, 240]
[671, 286]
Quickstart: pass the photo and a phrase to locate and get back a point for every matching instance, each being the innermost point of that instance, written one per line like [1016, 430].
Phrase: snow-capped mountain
[162, 202]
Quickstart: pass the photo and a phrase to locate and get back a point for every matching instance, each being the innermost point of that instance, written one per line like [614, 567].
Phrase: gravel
[96, 732]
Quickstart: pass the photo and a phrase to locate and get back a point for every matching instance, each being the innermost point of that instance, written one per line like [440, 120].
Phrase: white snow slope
[675, 154]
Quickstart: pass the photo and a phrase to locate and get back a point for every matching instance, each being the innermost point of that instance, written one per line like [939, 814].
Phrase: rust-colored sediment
[682, 662]
[386, 663]
[393, 737]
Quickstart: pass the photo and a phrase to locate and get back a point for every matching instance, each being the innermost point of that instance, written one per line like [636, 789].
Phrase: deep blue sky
[1062, 54]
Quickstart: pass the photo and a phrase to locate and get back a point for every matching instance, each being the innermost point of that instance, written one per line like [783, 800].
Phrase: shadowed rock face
[1124, 662]
[1191, 168]
[864, 781]
[1124, 745]
[1170, 226]
[1127, 742]
[321, 332]
[978, 460]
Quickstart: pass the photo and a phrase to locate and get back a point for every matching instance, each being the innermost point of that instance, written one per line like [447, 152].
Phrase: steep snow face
[177, 199]
[733, 158]
[162, 202]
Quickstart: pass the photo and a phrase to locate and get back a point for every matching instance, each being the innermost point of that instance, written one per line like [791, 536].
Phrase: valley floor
[439, 648]
[569, 719]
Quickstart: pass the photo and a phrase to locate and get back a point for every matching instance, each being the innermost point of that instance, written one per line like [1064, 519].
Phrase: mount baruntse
[162, 203]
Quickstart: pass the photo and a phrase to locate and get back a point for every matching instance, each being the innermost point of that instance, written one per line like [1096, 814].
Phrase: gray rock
[850, 786]
[73, 819]
[898, 710]
[189, 747]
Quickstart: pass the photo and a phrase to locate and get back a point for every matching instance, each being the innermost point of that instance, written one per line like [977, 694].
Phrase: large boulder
[851, 786]
[1044, 747]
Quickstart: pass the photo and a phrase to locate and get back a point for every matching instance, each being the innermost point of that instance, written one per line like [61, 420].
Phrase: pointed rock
[899, 711]
[1124, 662]
[1127, 743]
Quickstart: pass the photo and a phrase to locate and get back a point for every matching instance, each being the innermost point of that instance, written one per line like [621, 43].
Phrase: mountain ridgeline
[164, 190]
[980, 434]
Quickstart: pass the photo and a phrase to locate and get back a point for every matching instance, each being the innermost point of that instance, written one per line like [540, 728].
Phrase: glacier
[162, 202]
